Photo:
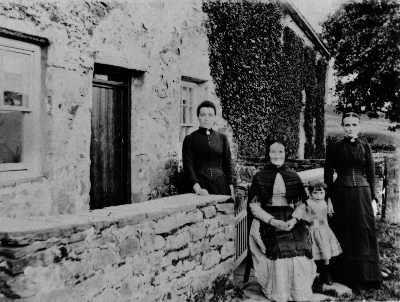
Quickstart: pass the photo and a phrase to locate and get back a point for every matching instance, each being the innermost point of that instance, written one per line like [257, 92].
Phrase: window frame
[29, 167]
[188, 126]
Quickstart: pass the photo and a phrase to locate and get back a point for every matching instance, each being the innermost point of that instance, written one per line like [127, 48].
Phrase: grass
[374, 131]
[389, 245]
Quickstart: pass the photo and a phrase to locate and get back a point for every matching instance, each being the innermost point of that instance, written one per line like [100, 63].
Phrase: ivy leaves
[258, 79]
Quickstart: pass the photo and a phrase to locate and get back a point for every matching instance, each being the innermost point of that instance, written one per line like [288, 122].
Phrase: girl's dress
[206, 157]
[285, 276]
[324, 242]
[353, 222]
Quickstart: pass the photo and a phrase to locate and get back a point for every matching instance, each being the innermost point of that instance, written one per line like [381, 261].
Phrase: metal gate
[241, 232]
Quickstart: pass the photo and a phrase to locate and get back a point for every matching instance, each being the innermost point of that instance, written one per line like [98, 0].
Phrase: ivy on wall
[319, 109]
[311, 90]
[260, 69]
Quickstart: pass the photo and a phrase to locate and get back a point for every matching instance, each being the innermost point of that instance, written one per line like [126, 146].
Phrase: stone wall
[164, 249]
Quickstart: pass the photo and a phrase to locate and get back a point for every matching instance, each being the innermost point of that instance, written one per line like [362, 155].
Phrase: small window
[187, 109]
[19, 105]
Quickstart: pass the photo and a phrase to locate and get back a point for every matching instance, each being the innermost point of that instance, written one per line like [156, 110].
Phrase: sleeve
[187, 159]
[258, 212]
[300, 212]
[227, 160]
[254, 204]
[329, 168]
[370, 169]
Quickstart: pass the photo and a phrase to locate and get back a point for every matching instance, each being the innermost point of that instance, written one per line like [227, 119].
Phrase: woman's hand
[232, 193]
[279, 224]
[330, 208]
[199, 190]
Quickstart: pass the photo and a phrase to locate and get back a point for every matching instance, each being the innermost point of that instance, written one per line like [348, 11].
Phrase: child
[324, 242]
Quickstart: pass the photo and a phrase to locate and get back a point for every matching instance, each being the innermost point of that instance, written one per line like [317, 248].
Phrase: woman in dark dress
[351, 195]
[207, 156]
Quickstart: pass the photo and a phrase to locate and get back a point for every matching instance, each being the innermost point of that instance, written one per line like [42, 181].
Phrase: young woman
[279, 240]
[351, 195]
[207, 156]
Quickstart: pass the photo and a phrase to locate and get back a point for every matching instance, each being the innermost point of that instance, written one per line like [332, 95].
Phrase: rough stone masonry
[164, 249]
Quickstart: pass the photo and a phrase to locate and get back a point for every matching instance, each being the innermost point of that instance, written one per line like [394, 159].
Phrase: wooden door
[109, 148]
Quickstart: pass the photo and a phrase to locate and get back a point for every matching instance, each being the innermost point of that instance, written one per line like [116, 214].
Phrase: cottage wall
[162, 40]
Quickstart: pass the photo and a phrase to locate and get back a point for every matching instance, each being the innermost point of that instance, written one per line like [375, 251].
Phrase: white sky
[317, 11]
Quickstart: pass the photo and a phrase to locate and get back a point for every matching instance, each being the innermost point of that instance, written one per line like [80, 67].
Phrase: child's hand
[291, 223]
[330, 208]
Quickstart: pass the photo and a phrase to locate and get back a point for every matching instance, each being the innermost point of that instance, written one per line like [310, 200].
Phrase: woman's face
[277, 154]
[206, 117]
[351, 126]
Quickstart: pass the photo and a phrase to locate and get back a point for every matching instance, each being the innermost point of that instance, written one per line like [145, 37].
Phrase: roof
[306, 27]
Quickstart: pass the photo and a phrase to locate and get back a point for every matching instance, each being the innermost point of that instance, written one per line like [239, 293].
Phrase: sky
[316, 11]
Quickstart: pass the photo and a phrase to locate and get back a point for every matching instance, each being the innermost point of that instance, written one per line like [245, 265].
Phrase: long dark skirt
[217, 187]
[354, 226]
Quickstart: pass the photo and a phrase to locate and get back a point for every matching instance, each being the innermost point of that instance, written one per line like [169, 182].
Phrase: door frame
[126, 114]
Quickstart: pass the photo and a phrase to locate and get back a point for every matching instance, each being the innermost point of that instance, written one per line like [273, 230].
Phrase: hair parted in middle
[275, 137]
[317, 186]
[350, 114]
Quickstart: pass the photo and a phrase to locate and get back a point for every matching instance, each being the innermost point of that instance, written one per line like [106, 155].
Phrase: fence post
[392, 207]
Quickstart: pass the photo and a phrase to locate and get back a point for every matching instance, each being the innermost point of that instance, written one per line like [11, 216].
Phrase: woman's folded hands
[283, 225]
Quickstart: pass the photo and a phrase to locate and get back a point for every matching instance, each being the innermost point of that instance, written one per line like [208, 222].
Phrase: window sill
[10, 178]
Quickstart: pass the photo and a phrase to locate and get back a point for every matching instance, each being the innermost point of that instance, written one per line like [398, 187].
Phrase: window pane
[191, 96]
[10, 136]
[184, 114]
[16, 67]
[191, 115]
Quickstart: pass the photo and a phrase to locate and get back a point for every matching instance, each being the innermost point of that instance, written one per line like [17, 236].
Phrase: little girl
[324, 242]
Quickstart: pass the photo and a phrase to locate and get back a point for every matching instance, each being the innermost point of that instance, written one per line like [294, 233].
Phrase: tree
[364, 38]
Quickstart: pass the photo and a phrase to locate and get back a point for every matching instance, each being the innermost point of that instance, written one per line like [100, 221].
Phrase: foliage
[319, 109]
[258, 79]
[245, 50]
[222, 289]
[364, 38]
[310, 88]
[377, 141]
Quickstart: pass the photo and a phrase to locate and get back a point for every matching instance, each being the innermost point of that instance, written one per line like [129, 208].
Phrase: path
[254, 293]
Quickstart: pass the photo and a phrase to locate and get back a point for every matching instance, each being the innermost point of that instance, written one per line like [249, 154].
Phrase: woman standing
[207, 156]
[351, 195]
[279, 240]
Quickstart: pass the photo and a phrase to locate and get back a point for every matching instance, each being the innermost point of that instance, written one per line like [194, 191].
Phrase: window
[187, 109]
[20, 78]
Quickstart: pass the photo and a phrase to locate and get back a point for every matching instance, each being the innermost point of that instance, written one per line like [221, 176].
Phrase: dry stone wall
[164, 249]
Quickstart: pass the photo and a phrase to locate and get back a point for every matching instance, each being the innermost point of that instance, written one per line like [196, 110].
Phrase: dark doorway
[110, 142]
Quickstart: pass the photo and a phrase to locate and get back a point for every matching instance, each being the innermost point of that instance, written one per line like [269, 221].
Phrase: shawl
[294, 186]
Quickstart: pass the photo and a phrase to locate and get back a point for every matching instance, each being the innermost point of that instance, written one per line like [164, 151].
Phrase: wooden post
[392, 207]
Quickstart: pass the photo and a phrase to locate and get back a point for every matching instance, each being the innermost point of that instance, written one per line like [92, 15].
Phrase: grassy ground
[389, 245]
[372, 130]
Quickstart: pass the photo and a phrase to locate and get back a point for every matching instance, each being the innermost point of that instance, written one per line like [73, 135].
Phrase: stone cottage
[104, 93]
[95, 100]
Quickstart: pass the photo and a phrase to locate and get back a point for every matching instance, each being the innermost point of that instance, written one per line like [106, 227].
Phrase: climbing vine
[310, 89]
[258, 79]
[319, 109]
